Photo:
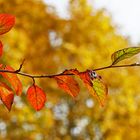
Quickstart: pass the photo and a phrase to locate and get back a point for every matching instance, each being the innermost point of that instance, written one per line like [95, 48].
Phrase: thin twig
[20, 67]
[118, 66]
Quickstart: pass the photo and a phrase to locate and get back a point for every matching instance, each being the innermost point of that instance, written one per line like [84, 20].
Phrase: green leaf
[124, 54]
[100, 90]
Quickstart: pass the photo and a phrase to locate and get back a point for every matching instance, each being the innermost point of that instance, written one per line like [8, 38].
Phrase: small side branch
[20, 67]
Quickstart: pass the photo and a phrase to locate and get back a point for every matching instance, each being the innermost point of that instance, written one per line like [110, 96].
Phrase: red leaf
[1, 48]
[1, 66]
[13, 80]
[36, 97]
[94, 84]
[6, 95]
[68, 84]
[6, 23]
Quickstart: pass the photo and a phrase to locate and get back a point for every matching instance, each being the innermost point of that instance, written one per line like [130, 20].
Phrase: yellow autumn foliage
[50, 44]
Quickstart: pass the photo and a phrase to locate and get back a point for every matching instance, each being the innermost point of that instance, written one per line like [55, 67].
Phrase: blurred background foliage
[51, 44]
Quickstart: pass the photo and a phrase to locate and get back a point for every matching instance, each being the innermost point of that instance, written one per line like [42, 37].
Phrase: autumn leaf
[124, 54]
[13, 80]
[1, 48]
[36, 97]
[6, 95]
[1, 66]
[94, 84]
[99, 90]
[68, 84]
[6, 23]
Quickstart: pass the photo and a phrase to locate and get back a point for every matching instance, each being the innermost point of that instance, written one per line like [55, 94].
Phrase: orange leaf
[6, 23]
[1, 48]
[13, 80]
[6, 95]
[1, 66]
[36, 97]
[94, 84]
[68, 84]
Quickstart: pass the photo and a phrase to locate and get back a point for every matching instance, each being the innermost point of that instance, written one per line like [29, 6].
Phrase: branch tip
[20, 67]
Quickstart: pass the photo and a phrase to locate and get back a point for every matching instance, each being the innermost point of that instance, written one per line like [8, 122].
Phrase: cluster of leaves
[35, 95]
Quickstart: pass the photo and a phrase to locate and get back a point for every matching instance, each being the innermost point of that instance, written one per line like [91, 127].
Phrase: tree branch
[60, 74]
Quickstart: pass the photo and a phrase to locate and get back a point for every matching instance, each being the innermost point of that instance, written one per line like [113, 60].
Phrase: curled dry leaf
[1, 48]
[94, 84]
[13, 80]
[6, 95]
[6, 23]
[36, 97]
[68, 84]
[124, 54]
